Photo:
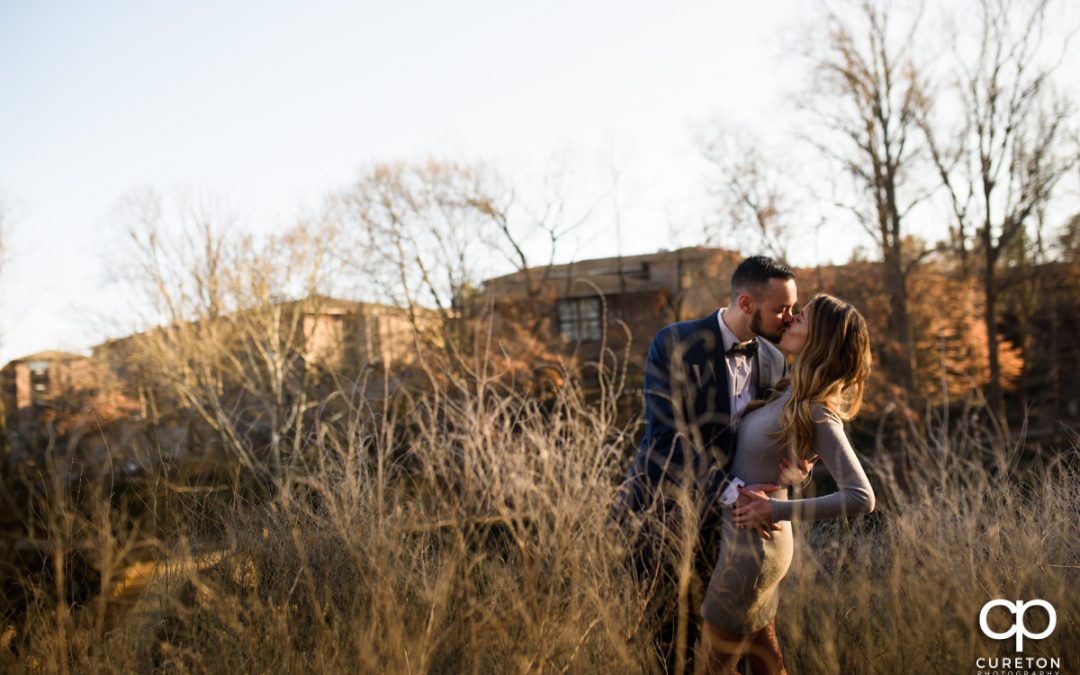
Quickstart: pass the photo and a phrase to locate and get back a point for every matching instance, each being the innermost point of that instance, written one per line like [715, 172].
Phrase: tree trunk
[993, 386]
[900, 357]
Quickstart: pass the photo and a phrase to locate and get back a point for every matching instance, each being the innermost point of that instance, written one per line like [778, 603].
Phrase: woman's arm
[853, 496]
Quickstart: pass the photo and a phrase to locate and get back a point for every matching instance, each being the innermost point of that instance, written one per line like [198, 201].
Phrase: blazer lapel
[717, 363]
[768, 370]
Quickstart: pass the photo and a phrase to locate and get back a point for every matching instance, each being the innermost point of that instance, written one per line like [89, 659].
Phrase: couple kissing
[730, 430]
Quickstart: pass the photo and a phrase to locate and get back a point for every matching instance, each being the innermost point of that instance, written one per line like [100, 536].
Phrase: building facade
[611, 305]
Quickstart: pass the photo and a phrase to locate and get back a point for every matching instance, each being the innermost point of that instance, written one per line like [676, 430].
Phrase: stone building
[43, 380]
[617, 304]
[318, 344]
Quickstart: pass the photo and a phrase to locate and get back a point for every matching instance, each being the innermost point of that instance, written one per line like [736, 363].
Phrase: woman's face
[794, 337]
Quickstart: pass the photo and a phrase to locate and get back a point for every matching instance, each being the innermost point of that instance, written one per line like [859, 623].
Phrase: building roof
[48, 355]
[613, 265]
[311, 304]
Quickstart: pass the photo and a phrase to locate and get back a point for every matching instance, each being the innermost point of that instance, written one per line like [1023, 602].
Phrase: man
[699, 377]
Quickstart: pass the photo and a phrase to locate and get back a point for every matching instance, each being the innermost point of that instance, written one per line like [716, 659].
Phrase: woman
[832, 348]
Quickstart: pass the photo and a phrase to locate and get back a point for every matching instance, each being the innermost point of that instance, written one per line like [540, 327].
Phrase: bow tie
[746, 348]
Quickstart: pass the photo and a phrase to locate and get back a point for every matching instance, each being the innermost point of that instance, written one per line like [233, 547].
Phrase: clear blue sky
[275, 104]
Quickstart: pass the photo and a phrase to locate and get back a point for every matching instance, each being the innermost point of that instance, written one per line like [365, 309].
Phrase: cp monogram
[1019, 608]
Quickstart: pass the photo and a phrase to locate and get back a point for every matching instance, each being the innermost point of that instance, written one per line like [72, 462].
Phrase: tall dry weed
[452, 532]
[466, 531]
[968, 516]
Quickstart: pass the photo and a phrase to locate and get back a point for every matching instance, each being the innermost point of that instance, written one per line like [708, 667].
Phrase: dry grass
[901, 591]
[468, 533]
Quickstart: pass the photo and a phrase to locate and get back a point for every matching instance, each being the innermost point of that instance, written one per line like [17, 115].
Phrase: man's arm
[659, 413]
[665, 452]
[759, 492]
[670, 437]
[797, 474]
[663, 443]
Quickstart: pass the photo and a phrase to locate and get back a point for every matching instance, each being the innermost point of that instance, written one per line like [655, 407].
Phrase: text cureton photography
[1016, 633]
[1018, 665]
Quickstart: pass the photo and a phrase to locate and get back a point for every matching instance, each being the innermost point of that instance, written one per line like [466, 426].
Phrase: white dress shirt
[740, 371]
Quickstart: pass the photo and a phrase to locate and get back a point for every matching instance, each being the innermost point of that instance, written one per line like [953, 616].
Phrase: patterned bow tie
[746, 348]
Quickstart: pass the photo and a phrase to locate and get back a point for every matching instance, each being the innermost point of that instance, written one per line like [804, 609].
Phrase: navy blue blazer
[687, 408]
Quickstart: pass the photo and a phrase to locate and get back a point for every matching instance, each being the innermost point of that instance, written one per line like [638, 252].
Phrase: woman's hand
[755, 512]
[796, 474]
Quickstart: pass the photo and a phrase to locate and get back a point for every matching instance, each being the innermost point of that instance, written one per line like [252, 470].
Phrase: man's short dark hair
[753, 274]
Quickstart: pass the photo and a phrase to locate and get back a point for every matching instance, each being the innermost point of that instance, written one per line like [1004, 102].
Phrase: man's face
[772, 311]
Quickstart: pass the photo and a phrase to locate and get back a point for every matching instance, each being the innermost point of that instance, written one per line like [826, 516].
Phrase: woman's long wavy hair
[831, 370]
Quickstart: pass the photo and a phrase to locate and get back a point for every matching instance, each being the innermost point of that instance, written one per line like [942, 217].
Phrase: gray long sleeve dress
[743, 594]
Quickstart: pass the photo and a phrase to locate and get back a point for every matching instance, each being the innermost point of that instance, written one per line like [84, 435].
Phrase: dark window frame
[580, 318]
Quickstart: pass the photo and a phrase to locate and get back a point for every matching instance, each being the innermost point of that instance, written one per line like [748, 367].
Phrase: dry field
[469, 534]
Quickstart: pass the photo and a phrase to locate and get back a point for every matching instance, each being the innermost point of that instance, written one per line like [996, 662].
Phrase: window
[39, 376]
[579, 319]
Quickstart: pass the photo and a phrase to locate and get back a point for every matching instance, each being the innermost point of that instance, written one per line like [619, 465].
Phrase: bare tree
[428, 234]
[865, 98]
[755, 195]
[1068, 243]
[1010, 150]
[233, 341]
